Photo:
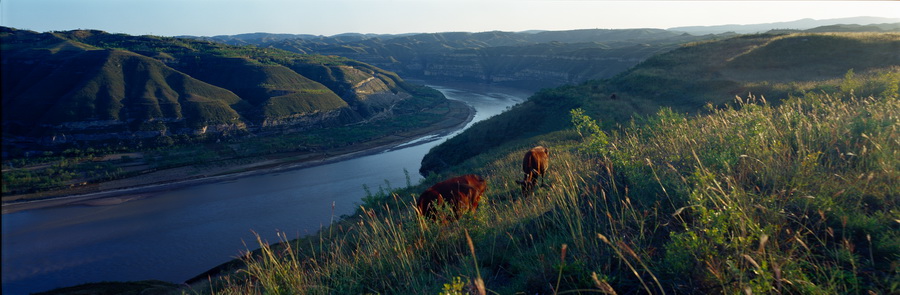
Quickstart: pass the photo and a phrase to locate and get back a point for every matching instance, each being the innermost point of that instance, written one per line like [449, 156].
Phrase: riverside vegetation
[529, 60]
[685, 80]
[81, 107]
[518, 59]
[795, 198]
[792, 194]
[73, 166]
[689, 184]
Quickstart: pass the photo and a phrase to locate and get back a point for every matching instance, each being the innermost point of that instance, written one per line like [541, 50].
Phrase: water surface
[178, 234]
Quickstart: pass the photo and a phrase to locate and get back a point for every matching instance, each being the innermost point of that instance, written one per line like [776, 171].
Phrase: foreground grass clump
[796, 198]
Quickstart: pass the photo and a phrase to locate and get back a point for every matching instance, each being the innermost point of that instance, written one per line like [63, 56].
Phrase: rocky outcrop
[504, 66]
[105, 131]
[303, 121]
[464, 66]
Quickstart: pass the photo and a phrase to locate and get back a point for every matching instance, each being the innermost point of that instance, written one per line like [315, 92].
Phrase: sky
[330, 17]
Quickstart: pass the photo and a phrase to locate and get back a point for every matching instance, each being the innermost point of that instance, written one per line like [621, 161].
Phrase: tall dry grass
[801, 197]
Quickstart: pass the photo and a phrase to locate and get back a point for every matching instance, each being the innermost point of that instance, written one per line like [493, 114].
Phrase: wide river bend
[177, 234]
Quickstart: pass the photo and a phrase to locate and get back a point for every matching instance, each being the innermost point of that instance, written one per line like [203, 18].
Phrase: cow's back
[535, 161]
[462, 192]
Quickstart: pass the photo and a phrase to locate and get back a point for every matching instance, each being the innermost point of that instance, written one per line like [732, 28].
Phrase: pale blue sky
[329, 17]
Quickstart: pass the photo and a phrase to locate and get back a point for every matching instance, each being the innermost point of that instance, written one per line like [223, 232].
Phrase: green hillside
[203, 57]
[89, 86]
[111, 85]
[685, 79]
[521, 59]
[794, 197]
[700, 176]
[272, 91]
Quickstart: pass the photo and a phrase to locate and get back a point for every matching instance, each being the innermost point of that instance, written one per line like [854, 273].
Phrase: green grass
[75, 165]
[86, 75]
[799, 197]
[686, 79]
[119, 85]
[56, 175]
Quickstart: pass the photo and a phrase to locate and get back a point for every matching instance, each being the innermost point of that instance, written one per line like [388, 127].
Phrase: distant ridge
[685, 80]
[262, 37]
[802, 24]
[532, 59]
[88, 85]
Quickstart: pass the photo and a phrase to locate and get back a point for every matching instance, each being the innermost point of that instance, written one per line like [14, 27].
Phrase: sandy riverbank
[147, 185]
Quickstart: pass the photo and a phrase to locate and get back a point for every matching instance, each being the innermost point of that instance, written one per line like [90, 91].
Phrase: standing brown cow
[462, 193]
[534, 165]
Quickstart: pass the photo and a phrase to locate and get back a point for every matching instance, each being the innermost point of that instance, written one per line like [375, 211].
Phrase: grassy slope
[503, 57]
[151, 83]
[279, 83]
[794, 197]
[65, 71]
[51, 175]
[115, 85]
[685, 79]
[273, 91]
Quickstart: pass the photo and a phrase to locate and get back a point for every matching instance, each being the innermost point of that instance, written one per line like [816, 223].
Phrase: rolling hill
[802, 24]
[784, 184]
[522, 59]
[532, 59]
[83, 85]
[685, 79]
[757, 164]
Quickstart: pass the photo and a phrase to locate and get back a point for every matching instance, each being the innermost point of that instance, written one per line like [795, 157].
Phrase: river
[178, 234]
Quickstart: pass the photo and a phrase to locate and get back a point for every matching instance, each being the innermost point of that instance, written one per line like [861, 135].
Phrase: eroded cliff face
[465, 66]
[495, 66]
[365, 84]
[377, 105]
[539, 65]
[538, 59]
[304, 121]
[117, 131]
[66, 87]
[371, 94]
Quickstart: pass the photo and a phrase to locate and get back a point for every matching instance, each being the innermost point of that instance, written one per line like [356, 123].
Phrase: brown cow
[534, 165]
[463, 194]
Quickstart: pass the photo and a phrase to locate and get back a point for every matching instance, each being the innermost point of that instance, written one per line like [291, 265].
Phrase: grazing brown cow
[462, 193]
[534, 165]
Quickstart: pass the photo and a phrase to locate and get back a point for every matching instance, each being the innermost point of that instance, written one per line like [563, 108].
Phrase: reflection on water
[175, 235]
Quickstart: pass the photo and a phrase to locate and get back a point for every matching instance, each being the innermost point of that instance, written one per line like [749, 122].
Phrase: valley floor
[139, 186]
